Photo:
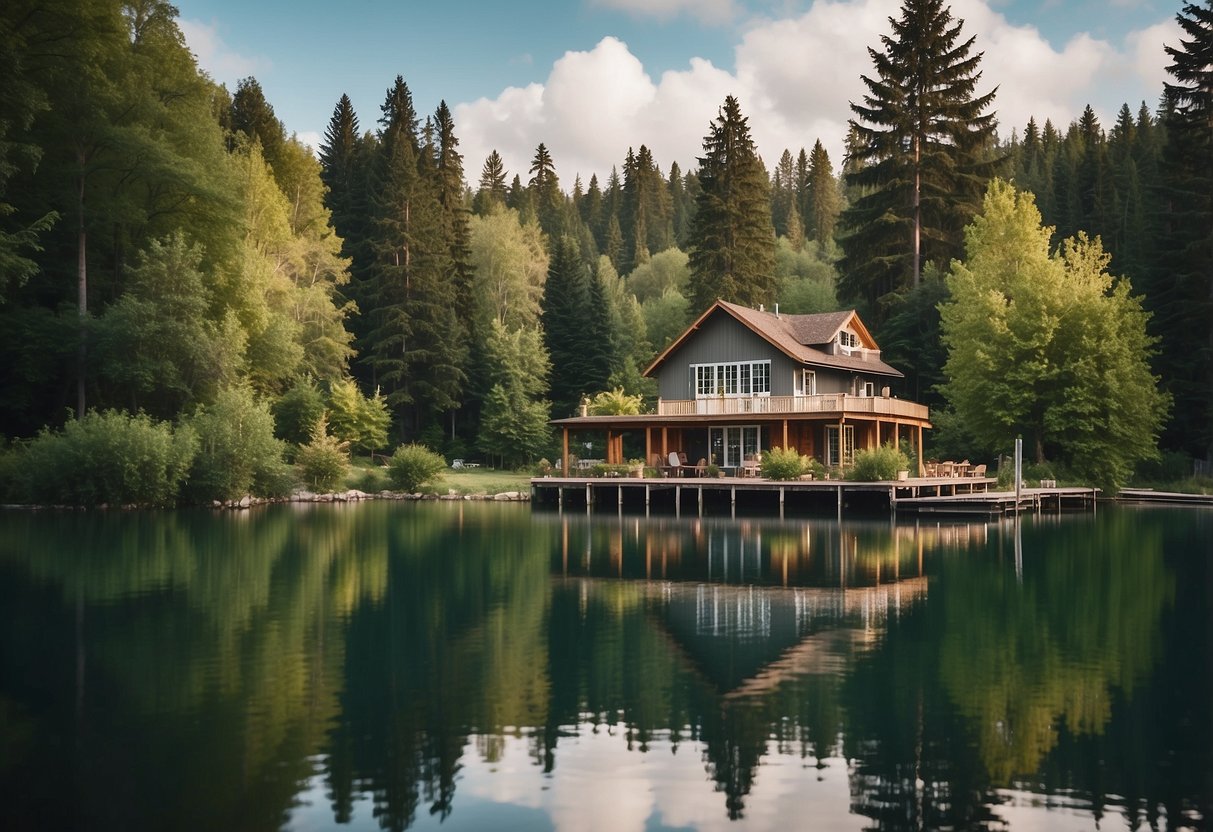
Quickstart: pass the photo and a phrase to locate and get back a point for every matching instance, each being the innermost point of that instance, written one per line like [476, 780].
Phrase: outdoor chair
[701, 467]
[750, 466]
[675, 466]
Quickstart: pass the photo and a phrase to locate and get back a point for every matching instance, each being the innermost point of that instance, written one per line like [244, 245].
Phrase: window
[731, 445]
[806, 383]
[867, 388]
[848, 340]
[738, 378]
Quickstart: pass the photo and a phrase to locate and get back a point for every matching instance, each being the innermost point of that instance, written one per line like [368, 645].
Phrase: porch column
[921, 465]
[665, 446]
[564, 453]
[785, 434]
[610, 447]
[648, 444]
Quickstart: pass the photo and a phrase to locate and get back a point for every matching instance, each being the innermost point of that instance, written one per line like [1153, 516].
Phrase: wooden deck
[933, 495]
[1149, 495]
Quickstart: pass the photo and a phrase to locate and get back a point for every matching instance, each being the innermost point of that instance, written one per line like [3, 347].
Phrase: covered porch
[726, 439]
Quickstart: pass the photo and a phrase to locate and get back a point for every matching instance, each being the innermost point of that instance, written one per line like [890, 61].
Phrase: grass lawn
[370, 477]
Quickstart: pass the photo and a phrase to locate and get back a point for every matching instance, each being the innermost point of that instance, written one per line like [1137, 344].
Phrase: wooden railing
[830, 403]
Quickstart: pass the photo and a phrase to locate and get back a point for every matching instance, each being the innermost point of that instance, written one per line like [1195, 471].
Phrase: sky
[591, 78]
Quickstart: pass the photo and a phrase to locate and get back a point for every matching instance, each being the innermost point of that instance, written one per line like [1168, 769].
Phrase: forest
[185, 286]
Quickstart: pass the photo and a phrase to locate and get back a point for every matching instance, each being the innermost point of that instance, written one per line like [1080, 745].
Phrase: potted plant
[635, 467]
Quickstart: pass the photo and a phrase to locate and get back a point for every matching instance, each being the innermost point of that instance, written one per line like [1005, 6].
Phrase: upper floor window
[848, 339]
[737, 378]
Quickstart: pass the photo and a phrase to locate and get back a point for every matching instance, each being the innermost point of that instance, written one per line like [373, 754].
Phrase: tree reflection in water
[217, 662]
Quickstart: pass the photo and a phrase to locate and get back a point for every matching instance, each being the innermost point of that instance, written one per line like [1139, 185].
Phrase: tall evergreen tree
[923, 143]
[544, 188]
[492, 184]
[1183, 292]
[566, 317]
[254, 116]
[732, 241]
[824, 201]
[783, 193]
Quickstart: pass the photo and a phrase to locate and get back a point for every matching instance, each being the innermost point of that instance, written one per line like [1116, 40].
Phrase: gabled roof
[801, 337]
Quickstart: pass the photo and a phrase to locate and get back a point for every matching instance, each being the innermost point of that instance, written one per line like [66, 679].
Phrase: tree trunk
[82, 293]
[917, 211]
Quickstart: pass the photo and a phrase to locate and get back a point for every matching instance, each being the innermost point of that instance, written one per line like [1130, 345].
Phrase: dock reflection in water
[463, 667]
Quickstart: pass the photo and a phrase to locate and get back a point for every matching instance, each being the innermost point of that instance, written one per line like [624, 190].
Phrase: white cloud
[221, 63]
[794, 78]
[312, 139]
[707, 11]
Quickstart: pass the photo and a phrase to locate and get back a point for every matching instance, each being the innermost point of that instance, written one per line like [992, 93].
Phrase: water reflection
[402, 666]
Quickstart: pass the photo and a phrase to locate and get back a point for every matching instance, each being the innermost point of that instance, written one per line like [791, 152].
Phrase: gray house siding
[722, 339]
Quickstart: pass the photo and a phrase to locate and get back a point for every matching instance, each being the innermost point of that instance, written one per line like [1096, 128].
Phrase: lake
[481, 666]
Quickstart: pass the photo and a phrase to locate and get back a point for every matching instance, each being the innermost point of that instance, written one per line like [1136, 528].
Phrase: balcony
[830, 404]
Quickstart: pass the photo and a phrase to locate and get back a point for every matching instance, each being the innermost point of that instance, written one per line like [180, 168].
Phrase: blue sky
[592, 77]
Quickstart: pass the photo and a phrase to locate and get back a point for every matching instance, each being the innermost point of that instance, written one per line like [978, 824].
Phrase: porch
[725, 431]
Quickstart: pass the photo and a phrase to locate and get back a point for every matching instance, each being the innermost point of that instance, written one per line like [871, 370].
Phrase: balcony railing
[830, 403]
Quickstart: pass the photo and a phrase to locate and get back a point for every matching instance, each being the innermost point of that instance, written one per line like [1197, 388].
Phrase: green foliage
[297, 410]
[732, 240]
[513, 427]
[878, 464]
[918, 154]
[665, 318]
[781, 464]
[354, 418]
[1048, 345]
[106, 457]
[323, 462]
[412, 466]
[663, 271]
[237, 452]
[615, 402]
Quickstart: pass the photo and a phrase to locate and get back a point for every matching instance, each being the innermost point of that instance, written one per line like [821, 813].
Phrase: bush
[296, 412]
[411, 466]
[371, 480]
[108, 457]
[781, 464]
[238, 453]
[358, 420]
[878, 464]
[323, 462]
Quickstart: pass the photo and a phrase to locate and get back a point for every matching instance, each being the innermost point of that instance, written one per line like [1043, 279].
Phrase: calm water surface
[472, 666]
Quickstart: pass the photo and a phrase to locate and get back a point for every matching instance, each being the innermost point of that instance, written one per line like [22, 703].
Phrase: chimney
[777, 310]
[762, 308]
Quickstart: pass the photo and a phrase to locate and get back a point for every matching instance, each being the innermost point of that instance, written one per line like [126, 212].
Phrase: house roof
[800, 337]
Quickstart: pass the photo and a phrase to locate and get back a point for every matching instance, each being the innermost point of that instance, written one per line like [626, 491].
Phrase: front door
[731, 445]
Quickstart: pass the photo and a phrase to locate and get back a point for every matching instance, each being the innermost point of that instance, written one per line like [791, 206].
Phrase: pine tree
[492, 184]
[253, 116]
[732, 241]
[566, 318]
[544, 188]
[921, 155]
[824, 202]
[783, 193]
[1183, 297]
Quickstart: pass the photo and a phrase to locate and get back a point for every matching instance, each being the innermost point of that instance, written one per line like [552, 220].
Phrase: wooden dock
[933, 495]
[1149, 495]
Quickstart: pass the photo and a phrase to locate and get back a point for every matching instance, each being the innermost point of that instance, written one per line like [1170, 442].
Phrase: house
[739, 381]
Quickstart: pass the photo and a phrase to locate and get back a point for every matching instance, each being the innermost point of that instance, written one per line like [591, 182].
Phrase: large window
[740, 378]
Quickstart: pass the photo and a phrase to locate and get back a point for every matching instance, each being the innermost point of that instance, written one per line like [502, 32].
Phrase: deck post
[921, 465]
[701, 501]
[564, 453]
[781, 515]
[589, 496]
[621, 497]
[840, 502]
[678, 501]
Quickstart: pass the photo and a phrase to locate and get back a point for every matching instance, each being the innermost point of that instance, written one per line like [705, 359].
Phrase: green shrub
[411, 466]
[814, 466]
[878, 464]
[370, 480]
[323, 462]
[296, 412]
[237, 453]
[107, 457]
[356, 419]
[781, 464]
